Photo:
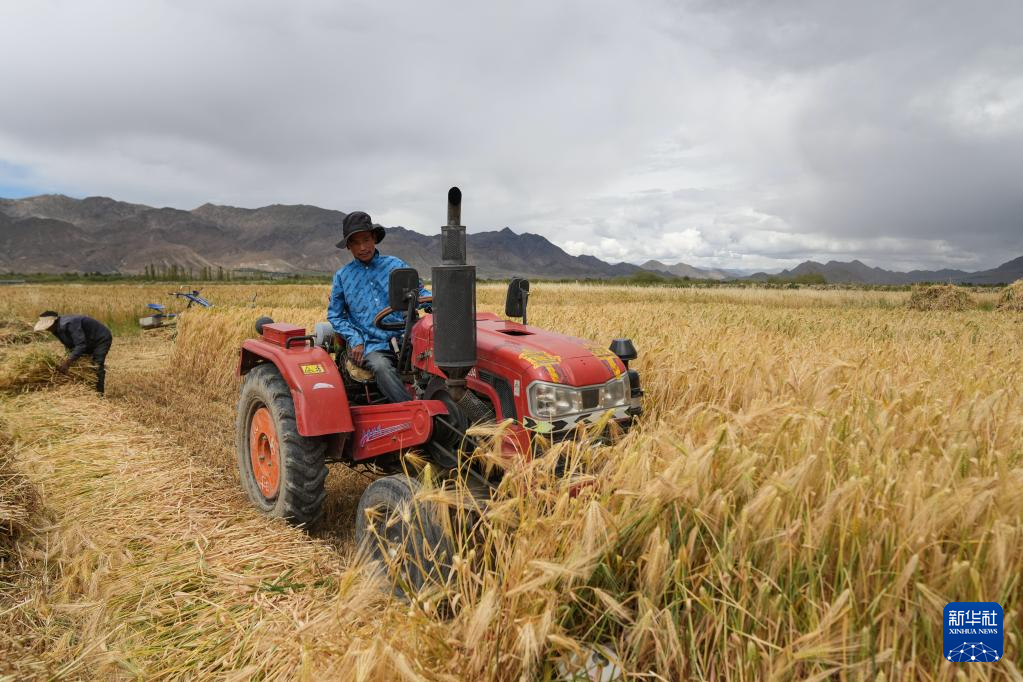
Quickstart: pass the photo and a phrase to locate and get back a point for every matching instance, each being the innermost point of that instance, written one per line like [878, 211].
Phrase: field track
[154, 547]
[153, 562]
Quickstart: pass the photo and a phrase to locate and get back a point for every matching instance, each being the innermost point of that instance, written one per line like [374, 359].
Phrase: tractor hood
[544, 355]
[522, 353]
[495, 332]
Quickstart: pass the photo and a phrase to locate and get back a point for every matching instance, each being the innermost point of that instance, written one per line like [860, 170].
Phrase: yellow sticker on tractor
[608, 358]
[539, 358]
[313, 369]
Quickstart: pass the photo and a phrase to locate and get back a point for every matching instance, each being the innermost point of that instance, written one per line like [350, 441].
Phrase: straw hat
[360, 374]
[46, 320]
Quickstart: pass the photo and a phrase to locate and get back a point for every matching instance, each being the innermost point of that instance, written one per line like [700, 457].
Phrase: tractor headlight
[615, 392]
[551, 401]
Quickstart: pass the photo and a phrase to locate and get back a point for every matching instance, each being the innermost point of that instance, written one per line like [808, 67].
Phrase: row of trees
[177, 273]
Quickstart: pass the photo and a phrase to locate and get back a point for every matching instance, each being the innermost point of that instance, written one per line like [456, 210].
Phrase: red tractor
[303, 404]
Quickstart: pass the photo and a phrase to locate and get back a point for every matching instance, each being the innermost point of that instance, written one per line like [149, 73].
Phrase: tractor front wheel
[406, 537]
[282, 472]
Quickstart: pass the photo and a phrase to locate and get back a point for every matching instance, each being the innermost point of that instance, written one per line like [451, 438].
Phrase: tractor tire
[403, 536]
[281, 471]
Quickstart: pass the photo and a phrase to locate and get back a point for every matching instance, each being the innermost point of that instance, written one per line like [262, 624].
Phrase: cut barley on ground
[15, 331]
[35, 366]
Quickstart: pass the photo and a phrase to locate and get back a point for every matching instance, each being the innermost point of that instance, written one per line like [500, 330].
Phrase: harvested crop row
[16, 500]
[16, 331]
[154, 571]
[21, 517]
[34, 366]
[198, 422]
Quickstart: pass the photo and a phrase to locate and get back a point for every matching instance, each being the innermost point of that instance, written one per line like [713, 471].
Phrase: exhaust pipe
[452, 237]
[454, 207]
[454, 303]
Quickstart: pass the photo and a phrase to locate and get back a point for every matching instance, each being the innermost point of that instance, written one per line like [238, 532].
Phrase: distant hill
[856, 272]
[55, 233]
[684, 270]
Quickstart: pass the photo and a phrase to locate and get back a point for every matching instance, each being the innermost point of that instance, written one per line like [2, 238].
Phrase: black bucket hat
[358, 221]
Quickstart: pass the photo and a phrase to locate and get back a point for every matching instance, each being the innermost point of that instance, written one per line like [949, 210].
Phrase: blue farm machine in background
[162, 318]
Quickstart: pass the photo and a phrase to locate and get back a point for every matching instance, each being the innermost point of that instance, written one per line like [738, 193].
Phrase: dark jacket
[81, 334]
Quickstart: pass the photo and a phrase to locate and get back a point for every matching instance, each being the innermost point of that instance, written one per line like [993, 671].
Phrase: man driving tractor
[358, 293]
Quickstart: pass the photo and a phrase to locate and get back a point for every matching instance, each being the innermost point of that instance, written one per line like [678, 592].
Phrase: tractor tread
[303, 459]
[426, 553]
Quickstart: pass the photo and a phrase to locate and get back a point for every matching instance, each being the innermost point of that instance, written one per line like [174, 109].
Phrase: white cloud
[715, 134]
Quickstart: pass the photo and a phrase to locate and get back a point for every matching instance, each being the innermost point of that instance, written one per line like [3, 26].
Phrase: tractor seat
[156, 306]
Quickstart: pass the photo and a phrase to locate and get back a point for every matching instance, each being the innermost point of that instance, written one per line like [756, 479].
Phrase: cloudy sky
[728, 134]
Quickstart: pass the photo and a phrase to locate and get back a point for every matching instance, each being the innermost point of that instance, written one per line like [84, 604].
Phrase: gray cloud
[721, 134]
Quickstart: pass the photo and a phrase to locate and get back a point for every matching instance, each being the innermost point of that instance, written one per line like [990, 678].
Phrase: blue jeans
[382, 364]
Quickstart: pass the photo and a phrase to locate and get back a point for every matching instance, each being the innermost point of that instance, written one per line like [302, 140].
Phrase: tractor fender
[321, 404]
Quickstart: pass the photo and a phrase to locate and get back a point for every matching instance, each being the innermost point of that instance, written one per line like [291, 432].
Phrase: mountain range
[856, 272]
[53, 233]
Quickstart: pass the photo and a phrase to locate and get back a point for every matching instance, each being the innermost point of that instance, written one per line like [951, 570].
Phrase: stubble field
[816, 475]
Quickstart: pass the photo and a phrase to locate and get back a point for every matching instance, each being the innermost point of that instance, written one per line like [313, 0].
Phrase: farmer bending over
[81, 335]
[359, 292]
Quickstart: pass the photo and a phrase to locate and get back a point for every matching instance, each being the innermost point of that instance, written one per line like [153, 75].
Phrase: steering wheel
[378, 321]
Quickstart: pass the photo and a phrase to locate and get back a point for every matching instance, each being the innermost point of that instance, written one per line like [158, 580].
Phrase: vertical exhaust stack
[454, 303]
[453, 234]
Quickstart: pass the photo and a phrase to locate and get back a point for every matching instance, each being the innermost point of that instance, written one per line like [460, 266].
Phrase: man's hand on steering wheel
[378, 320]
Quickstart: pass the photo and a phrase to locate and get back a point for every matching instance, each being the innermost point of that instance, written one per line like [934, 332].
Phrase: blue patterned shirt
[359, 292]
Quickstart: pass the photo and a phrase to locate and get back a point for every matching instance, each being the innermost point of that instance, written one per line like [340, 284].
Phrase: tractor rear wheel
[404, 536]
[282, 472]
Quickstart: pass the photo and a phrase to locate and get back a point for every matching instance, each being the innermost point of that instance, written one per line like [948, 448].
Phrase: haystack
[1012, 297]
[36, 367]
[940, 297]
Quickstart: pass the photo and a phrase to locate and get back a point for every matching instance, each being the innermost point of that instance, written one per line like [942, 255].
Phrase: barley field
[817, 473]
